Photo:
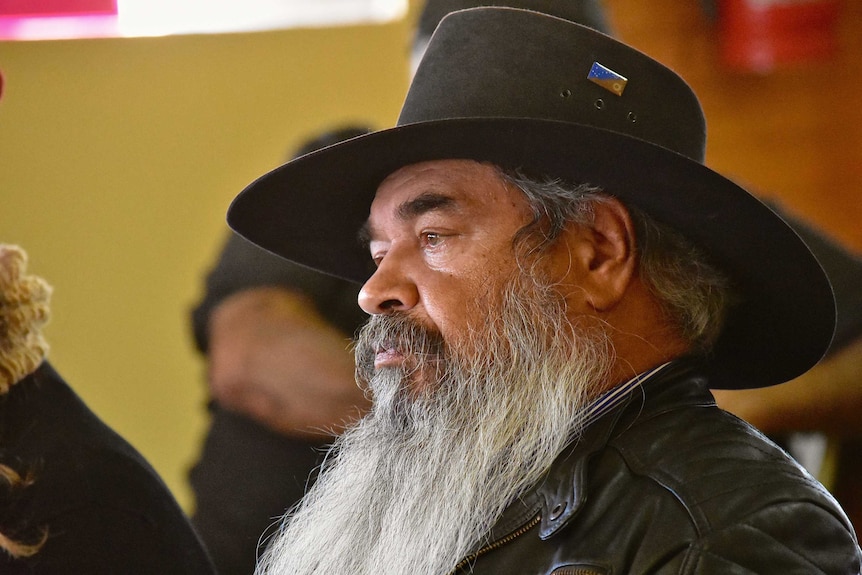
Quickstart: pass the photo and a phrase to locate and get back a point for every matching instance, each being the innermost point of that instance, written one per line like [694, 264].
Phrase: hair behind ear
[695, 294]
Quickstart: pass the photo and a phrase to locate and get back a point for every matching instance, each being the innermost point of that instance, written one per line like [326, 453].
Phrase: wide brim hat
[528, 91]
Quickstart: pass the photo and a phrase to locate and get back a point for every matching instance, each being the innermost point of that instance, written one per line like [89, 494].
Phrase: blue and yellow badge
[607, 79]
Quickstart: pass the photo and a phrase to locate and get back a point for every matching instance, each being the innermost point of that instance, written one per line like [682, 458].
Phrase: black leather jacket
[669, 483]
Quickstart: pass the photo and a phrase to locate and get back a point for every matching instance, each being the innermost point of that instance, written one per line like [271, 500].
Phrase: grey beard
[417, 485]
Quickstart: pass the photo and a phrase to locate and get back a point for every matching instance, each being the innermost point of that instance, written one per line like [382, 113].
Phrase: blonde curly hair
[24, 310]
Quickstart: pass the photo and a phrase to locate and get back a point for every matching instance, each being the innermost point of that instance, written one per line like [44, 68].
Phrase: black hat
[526, 90]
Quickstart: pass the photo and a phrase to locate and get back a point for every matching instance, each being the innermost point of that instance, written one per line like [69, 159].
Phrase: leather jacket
[669, 483]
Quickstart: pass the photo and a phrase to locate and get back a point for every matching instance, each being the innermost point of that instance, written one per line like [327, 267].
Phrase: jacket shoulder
[748, 502]
[716, 465]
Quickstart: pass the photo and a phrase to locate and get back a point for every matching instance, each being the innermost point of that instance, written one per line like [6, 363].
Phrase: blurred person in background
[276, 337]
[74, 496]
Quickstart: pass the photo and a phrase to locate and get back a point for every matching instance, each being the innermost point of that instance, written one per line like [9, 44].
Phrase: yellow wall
[118, 158]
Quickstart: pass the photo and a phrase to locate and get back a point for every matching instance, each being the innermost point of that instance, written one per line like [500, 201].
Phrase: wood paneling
[793, 134]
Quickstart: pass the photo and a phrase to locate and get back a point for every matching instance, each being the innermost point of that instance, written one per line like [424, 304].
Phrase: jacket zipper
[498, 543]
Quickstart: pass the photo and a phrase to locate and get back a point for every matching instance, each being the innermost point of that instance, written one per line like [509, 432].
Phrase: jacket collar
[559, 497]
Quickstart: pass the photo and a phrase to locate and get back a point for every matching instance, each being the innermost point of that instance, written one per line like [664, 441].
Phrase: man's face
[441, 235]
[479, 376]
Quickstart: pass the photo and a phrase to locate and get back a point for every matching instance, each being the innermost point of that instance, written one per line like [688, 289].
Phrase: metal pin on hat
[607, 79]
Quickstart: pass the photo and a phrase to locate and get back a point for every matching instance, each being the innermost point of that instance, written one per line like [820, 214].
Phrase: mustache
[399, 332]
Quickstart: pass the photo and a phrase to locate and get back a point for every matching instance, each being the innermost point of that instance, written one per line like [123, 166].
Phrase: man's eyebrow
[421, 204]
[424, 203]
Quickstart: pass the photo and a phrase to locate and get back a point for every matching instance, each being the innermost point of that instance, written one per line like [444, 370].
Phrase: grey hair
[694, 294]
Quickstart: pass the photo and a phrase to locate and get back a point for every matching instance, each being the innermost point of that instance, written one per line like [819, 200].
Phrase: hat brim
[311, 209]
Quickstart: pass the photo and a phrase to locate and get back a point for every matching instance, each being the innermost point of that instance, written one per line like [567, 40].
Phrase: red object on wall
[56, 7]
[761, 35]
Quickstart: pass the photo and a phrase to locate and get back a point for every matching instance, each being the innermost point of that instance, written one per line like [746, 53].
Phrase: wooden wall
[794, 134]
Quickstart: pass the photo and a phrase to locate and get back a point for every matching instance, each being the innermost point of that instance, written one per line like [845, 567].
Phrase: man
[554, 281]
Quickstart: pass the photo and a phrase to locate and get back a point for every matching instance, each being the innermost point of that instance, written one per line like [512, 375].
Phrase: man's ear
[601, 257]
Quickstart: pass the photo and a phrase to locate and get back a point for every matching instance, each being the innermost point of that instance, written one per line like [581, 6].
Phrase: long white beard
[417, 485]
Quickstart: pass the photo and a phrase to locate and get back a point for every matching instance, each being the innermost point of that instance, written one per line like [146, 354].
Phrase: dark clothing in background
[105, 509]
[247, 476]
[245, 479]
[845, 273]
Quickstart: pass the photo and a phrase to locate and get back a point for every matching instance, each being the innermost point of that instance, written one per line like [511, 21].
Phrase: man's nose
[388, 289]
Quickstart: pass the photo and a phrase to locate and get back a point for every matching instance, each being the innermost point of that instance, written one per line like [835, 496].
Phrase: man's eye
[431, 239]
[377, 258]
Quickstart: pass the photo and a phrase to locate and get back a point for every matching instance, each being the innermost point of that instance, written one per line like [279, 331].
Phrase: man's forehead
[440, 186]
[460, 180]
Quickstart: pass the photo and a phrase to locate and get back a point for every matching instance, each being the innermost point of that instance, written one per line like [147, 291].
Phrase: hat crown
[467, 72]
[587, 12]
